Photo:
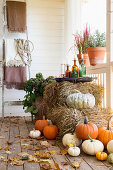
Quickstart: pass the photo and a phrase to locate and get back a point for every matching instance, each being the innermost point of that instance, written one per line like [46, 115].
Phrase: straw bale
[97, 115]
[56, 93]
[64, 118]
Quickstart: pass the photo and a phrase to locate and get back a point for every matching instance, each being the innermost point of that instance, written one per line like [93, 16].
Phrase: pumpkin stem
[86, 120]
[109, 123]
[90, 138]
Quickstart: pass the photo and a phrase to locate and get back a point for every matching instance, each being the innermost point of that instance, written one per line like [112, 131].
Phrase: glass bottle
[74, 74]
[75, 66]
[82, 69]
[68, 72]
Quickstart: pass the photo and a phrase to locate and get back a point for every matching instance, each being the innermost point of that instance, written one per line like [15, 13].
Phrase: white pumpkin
[71, 139]
[34, 133]
[110, 146]
[92, 146]
[79, 100]
[74, 151]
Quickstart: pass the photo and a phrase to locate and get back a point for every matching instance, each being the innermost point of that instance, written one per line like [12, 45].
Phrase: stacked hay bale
[67, 118]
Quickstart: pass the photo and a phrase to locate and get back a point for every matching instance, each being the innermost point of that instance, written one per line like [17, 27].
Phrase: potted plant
[96, 48]
[34, 89]
[80, 42]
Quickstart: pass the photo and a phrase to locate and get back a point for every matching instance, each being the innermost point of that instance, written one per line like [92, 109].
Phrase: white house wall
[45, 20]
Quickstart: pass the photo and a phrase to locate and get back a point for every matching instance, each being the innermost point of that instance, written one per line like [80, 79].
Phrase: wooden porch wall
[45, 20]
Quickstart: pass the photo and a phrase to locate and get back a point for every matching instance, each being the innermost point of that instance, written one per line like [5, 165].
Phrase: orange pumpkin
[50, 132]
[86, 128]
[101, 156]
[40, 124]
[105, 135]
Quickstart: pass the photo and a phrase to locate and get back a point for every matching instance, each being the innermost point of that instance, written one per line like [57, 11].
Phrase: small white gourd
[110, 146]
[79, 100]
[71, 139]
[92, 146]
[74, 151]
[34, 133]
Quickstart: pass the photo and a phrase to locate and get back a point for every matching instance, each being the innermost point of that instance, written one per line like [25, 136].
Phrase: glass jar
[68, 72]
[82, 69]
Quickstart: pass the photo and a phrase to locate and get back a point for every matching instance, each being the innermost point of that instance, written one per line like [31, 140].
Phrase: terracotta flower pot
[96, 55]
[42, 109]
[86, 59]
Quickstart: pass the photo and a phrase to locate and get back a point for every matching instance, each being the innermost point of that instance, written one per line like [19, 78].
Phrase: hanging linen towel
[15, 70]
[15, 77]
[16, 16]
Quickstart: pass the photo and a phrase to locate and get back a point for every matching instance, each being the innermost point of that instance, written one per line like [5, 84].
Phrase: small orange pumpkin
[50, 132]
[86, 128]
[101, 156]
[40, 124]
[105, 135]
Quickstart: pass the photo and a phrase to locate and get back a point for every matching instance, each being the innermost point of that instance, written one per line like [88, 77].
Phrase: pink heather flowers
[81, 39]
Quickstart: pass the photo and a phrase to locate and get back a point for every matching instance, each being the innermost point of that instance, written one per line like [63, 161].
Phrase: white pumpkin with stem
[92, 146]
[71, 139]
[74, 151]
[34, 133]
[110, 146]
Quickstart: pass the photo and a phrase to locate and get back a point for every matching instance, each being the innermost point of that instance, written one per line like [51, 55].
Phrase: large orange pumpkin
[84, 129]
[105, 135]
[40, 124]
[50, 132]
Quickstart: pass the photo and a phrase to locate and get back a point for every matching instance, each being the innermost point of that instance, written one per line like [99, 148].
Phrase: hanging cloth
[15, 77]
[16, 16]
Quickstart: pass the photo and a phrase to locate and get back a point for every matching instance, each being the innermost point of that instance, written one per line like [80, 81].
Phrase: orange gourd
[86, 128]
[105, 135]
[40, 124]
[101, 156]
[50, 132]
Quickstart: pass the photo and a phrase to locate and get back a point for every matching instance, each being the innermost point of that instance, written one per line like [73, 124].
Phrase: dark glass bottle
[82, 69]
[75, 66]
[68, 72]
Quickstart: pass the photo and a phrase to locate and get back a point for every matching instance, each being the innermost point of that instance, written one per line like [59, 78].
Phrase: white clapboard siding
[45, 21]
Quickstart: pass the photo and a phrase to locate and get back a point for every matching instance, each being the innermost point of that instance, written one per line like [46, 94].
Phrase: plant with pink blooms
[81, 40]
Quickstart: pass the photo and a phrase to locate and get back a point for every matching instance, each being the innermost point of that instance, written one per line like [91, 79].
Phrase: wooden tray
[76, 80]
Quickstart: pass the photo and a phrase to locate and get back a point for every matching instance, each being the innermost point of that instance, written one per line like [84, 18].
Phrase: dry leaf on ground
[9, 142]
[16, 161]
[0, 147]
[6, 130]
[64, 151]
[17, 136]
[26, 140]
[8, 152]
[48, 161]
[23, 154]
[76, 164]
[23, 137]
[57, 166]
[50, 152]
[2, 137]
[35, 149]
[7, 147]
[42, 155]
[17, 141]
[45, 143]
[26, 146]
[40, 137]
[2, 158]
[32, 159]
[45, 167]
